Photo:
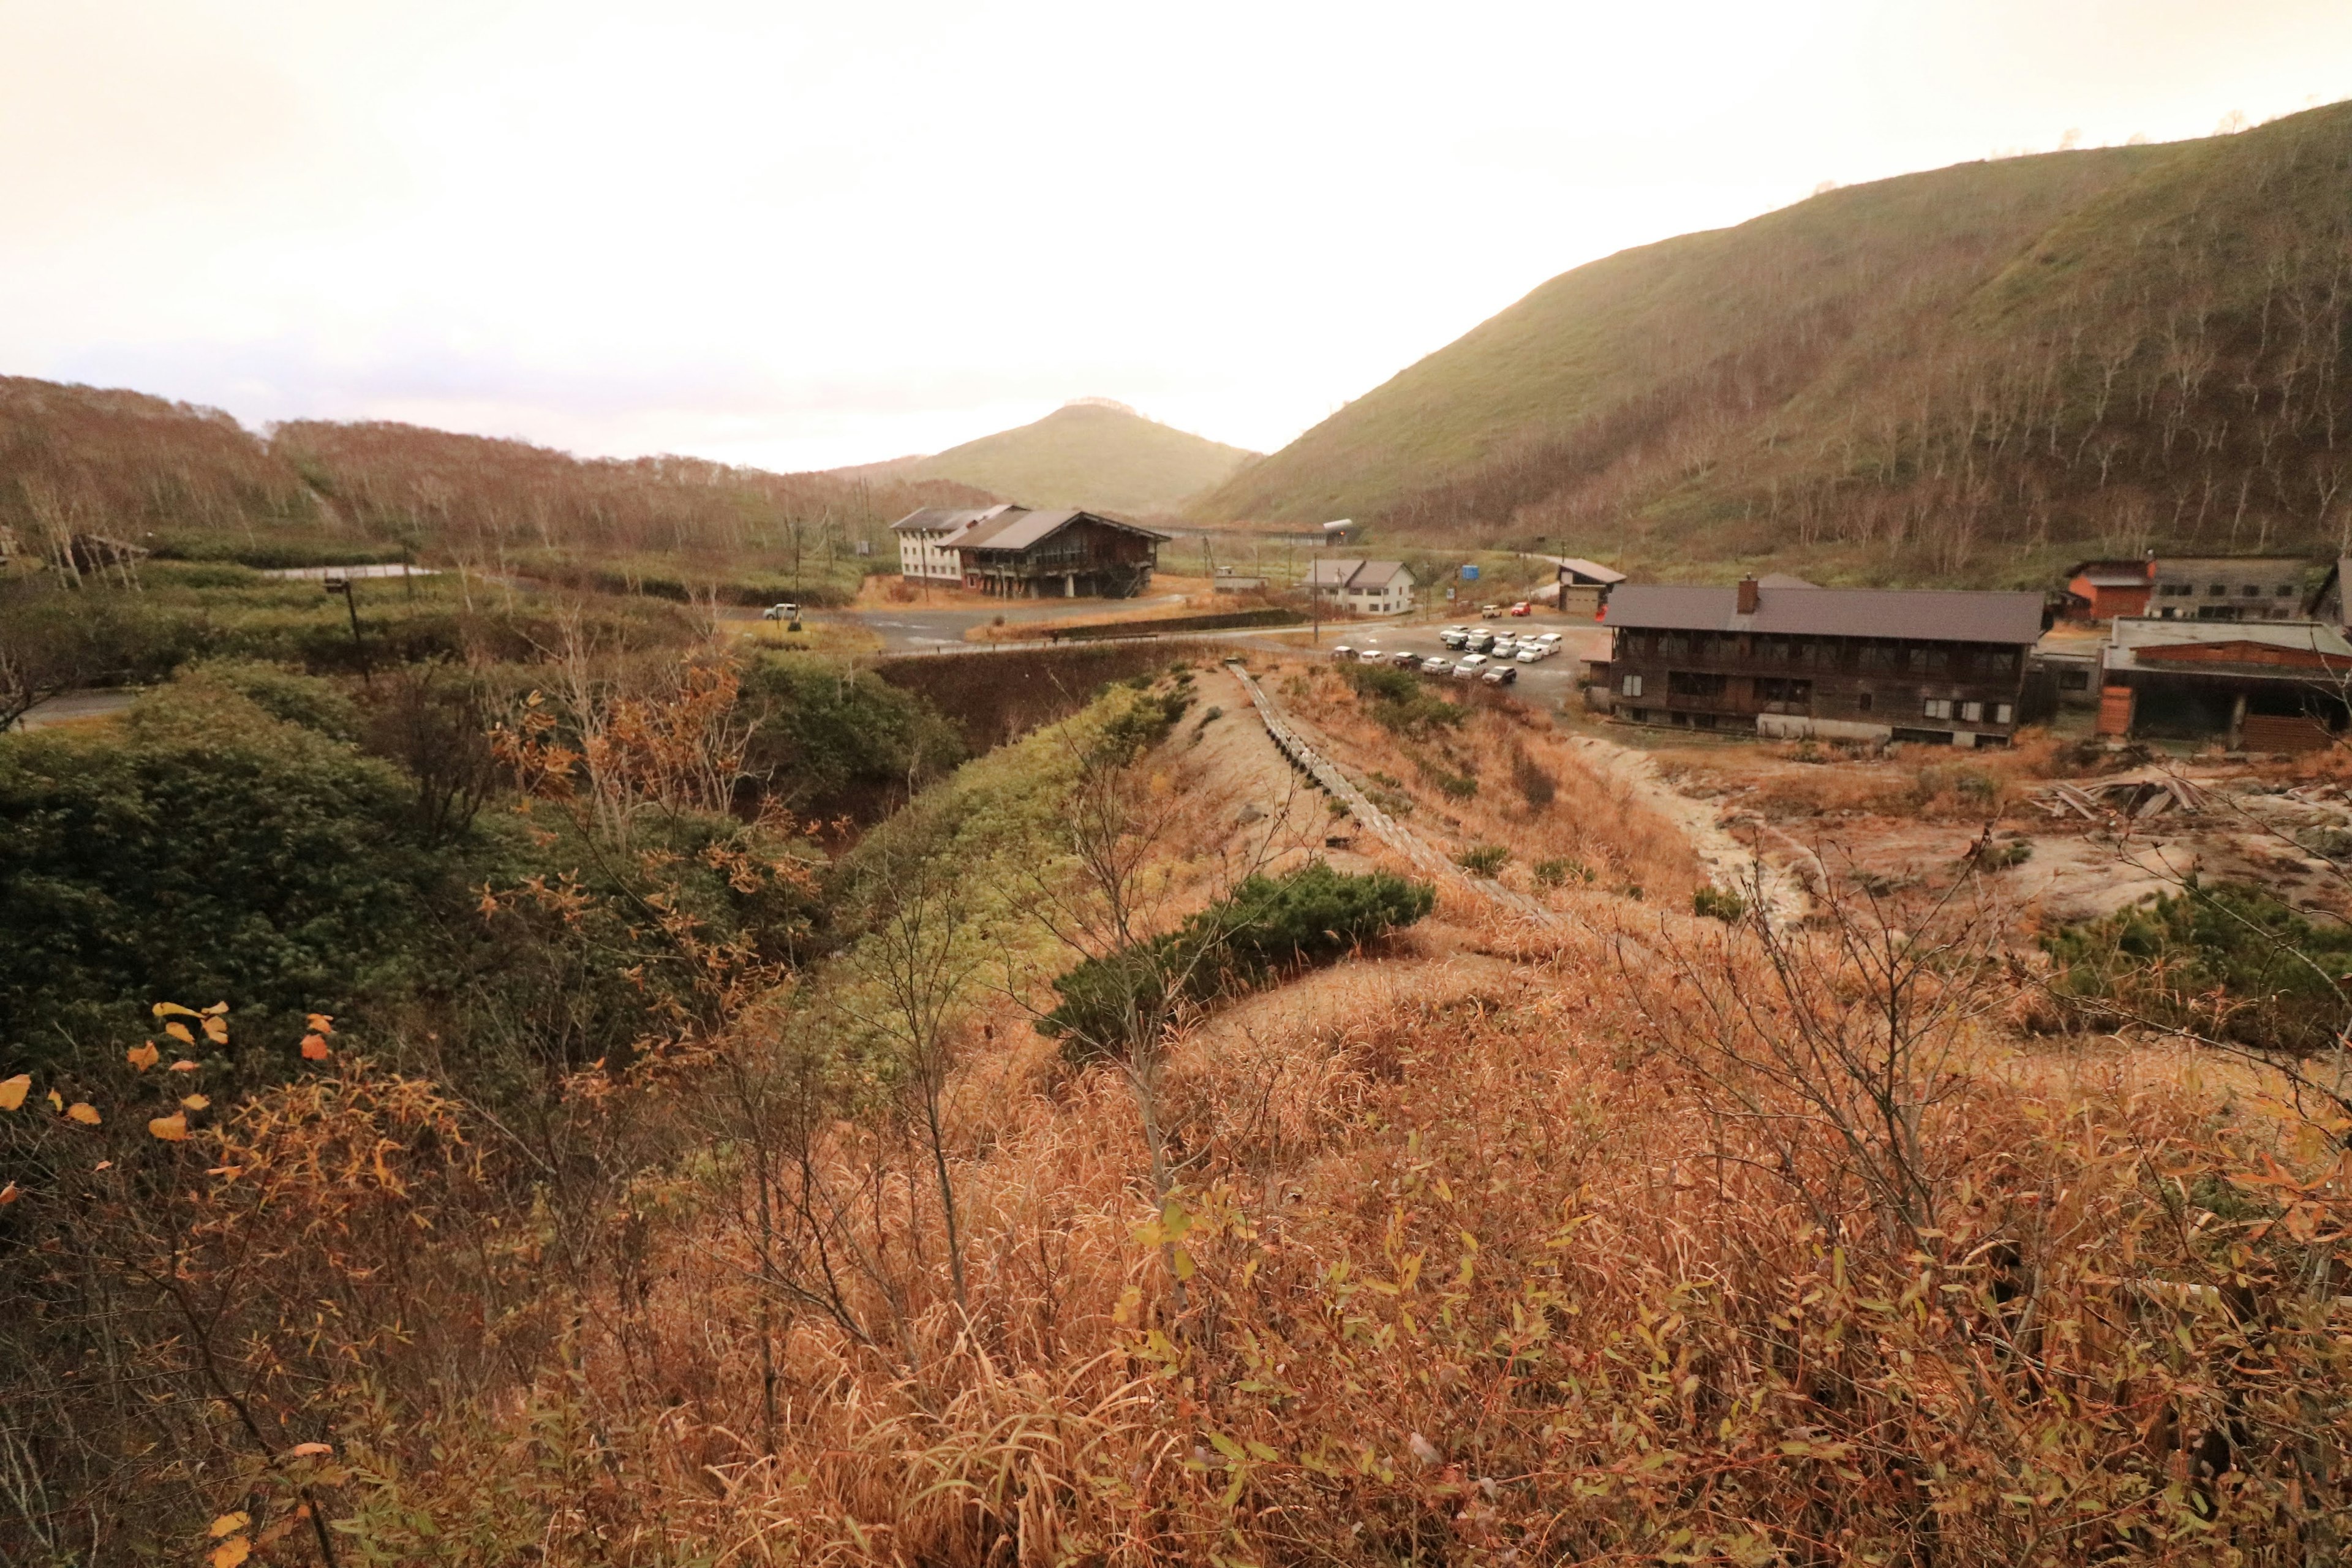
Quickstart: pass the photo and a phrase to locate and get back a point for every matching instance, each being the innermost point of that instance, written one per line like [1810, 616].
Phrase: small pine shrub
[1717, 904]
[1484, 861]
[1559, 873]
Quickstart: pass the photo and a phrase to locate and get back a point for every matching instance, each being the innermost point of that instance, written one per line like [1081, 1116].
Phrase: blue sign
[1469, 573]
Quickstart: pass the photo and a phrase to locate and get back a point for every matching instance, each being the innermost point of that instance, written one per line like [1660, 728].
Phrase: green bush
[1400, 700]
[1484, 861]
[2228, 961]
[206, 852]
[1558, 873]
[834, 738]
[1718, 904]
[1265, 926]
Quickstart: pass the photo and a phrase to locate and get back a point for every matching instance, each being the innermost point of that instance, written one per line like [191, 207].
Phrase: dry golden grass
[1593, 821]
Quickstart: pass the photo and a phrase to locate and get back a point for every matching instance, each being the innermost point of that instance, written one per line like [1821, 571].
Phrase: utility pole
[351, 602]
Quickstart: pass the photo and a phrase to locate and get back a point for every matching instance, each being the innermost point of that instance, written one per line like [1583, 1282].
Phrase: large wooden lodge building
[1796, 661]
[1013, 552]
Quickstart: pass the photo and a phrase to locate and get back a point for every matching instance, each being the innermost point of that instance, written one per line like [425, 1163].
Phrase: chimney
[1747, 595]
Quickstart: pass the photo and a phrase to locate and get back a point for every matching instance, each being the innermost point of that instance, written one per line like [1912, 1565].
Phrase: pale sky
[802, 235]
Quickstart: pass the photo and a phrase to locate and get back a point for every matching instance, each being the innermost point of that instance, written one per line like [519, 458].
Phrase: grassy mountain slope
[1947, 375]
[1091, 454]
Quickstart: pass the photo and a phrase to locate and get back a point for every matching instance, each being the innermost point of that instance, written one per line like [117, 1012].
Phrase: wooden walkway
[1379, 823]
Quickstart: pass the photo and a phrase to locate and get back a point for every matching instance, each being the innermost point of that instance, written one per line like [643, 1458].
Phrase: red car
[1522, 609]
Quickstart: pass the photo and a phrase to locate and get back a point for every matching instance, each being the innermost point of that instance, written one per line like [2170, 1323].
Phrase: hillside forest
[1960, 376]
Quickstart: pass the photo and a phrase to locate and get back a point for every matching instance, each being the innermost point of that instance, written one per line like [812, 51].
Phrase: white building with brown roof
[1365, 587]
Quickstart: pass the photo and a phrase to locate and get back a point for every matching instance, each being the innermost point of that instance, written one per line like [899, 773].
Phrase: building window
[1972, 712]
[1630, 686]
[1936, 707]
[1673, 645]
[2218, 591]
[2002, 712]
[1690, 683]
[1783, 695]
[2282, 591]
[2175, 591]
[1861, 702]
[2251, 591]
[2071, 680]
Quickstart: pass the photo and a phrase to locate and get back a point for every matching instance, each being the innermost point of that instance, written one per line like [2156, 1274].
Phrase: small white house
[1366, 587]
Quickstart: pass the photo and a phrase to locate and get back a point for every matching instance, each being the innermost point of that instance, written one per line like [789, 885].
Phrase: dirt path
[1729, 864]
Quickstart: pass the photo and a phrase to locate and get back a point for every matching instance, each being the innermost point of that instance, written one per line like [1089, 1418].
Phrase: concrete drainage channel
[1379, 823]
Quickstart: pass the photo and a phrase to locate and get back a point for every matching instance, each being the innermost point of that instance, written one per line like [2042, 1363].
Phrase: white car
[1344, 650]
[1532, 653]
[1453, 631]
[1469, 667]
[1435, 666]
[1549, 639]
[1372, 655]
[787, 611]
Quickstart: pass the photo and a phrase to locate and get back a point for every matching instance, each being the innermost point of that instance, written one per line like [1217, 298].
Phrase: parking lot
[1553, 682]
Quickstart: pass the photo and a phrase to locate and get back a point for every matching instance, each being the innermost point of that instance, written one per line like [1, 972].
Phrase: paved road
[75, 705]
[921, 628]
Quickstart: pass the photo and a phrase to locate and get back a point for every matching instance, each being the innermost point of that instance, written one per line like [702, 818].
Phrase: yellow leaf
[216, 1031]
[183, 1065]
[56, 1100]
[305, 1450]
[195, 1102]
[143, 1055]
[9, 1195]
[314, 1049]
[81, 1111]
[179, 1032]
[172, 1129]
[13, 1092]
[322, 1023]
[216, 1010]
[170, 1009]
[231, 1552]
[230, 1523]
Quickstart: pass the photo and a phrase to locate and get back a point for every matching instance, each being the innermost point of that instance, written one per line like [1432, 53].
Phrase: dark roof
[1918, 615]
[1019, 530]
[1591, 570]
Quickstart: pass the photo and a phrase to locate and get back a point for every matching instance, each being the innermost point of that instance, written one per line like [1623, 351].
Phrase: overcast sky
[802, 235]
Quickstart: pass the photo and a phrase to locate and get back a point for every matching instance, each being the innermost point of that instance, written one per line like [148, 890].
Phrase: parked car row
[1526, 649]
[1492, 669]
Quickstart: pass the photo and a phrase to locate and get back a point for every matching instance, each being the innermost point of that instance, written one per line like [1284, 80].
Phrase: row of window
[1822, 653]
[2221, 591]
[1780, 694]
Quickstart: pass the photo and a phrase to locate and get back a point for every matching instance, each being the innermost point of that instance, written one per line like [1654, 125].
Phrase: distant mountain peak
[1104, 402]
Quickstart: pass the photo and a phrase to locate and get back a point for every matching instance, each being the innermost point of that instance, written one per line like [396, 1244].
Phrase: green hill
[1092, 454]
[1956, 374]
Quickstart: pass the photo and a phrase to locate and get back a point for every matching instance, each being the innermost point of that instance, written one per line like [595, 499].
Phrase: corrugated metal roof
[1021, 530]
[924, 519]
[2130, 635]
[1592, 570]
[1918, 615]
[1350, 571]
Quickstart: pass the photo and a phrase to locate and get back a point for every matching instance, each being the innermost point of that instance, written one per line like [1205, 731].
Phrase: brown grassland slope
[1638, 1238]
[1947, 376]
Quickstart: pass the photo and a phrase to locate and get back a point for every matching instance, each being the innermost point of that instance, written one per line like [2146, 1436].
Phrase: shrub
[1536, 786]
[1265, 927]
[1484, 861]
[2229, 962]
[1718, 904]
[831, 738]
[1400, 700]
[1557, 873]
